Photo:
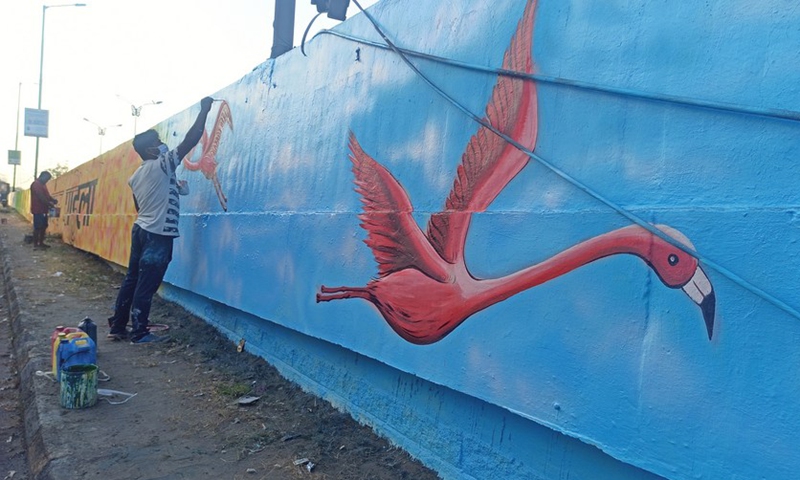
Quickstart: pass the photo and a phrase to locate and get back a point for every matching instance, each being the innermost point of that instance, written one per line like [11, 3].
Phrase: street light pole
[136, 111]
[39, 105]
[41, 64]
[101, 131]
[16, 135]
[16, 138]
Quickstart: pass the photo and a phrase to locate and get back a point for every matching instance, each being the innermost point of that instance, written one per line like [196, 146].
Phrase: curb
[30, 356]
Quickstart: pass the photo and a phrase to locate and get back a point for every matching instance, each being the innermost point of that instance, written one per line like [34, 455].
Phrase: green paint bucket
[78, 386]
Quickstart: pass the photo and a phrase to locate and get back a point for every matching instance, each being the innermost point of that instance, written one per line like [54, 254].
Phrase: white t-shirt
[155, 189]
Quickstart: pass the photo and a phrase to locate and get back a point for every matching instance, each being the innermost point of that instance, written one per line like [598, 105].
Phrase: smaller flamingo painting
[424, 289]
[209, 144]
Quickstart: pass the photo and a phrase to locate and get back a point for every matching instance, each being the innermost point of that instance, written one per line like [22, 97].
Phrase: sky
[102, 58]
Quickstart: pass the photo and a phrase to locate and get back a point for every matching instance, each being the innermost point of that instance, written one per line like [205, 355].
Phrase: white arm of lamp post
[136, 111]
[101, 131]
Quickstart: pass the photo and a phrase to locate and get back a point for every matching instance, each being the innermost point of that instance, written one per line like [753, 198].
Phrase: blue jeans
[40, 221]
[150, 257]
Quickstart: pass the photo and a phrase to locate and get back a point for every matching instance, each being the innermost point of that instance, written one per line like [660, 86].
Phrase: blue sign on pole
[36, 122]
[14, 157]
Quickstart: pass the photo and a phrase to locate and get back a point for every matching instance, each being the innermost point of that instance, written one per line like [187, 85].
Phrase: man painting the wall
[41, 201]
[156, 193]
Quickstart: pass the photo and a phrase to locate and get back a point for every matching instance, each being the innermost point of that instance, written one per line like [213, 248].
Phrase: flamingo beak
[701, 292]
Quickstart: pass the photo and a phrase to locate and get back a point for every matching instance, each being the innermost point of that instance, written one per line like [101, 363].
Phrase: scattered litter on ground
[247, 400]
[48, 375]
[111, 396]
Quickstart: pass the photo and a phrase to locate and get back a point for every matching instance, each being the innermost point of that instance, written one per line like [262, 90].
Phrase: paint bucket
[78, 386]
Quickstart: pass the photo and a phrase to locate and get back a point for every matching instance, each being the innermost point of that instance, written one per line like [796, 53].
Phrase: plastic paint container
[55, 339]
[78, 350]
[88, 326]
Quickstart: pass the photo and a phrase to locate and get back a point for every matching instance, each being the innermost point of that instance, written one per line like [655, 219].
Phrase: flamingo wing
[394, 237]
[489, 162]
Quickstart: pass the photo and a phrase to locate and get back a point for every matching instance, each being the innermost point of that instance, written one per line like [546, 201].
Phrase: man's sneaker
[117, 336]
[150, 338]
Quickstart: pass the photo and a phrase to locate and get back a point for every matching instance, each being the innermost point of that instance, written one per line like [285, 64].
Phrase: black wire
[538, 77]
[303, 42]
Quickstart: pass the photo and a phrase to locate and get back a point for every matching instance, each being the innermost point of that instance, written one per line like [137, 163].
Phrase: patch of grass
[235, 390]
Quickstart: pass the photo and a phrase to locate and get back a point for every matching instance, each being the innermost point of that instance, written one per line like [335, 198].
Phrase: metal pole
[283, 27]
[16, 138]
[136, 111]
[41, 63]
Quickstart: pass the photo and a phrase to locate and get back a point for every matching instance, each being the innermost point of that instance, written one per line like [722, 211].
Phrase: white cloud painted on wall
[557, 196]
[424, 151]
[287, 160]
[352, 248]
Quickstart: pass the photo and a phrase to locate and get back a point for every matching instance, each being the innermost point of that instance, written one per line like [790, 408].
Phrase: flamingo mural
[424, 289]
[209, 144]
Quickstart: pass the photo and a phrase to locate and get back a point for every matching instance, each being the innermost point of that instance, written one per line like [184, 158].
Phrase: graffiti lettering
[80, 203]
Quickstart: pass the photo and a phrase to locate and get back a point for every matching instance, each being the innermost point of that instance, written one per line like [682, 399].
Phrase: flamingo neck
[633, 240]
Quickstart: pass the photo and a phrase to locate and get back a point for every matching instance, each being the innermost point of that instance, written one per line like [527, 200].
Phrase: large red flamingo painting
[209, 144]
[424, 289]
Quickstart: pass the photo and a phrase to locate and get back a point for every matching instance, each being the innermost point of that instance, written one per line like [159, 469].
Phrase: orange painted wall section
[95, 205]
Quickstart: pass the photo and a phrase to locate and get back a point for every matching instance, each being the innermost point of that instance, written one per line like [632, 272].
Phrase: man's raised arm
[195, 133]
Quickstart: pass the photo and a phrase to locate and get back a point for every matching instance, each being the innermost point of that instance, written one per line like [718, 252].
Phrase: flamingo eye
[673, 259]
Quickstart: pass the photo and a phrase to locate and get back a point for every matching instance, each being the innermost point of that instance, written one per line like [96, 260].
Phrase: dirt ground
[186, 420]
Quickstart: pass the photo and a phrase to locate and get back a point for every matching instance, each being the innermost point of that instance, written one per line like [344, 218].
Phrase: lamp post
[16, 135]
[41, 64]
[101, 131]
[16, 138]
[137, 111]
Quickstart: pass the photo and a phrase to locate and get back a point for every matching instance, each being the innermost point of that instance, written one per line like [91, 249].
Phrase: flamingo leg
[337, 293]
[223, 200]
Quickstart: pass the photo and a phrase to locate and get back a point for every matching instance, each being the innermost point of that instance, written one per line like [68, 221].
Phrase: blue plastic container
[76, 351]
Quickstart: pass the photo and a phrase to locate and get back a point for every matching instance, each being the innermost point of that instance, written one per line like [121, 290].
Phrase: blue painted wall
[603, 356]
